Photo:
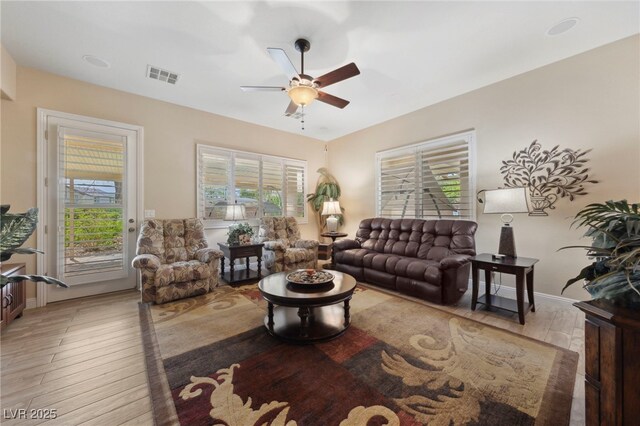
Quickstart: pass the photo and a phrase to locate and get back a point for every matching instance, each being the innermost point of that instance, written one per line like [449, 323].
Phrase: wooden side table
[521, 267]
[333, 236]
[233, 252]
[14, 295]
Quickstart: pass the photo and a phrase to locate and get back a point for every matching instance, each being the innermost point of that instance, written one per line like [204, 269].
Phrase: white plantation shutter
[272, 197]
[266, 185]
[427, 180]
[397, 192]
[295, 184]
[214, 176]
[246, 173]
[91, 206]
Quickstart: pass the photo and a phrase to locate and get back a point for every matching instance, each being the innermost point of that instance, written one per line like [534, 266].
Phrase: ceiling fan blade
[332, 100]
[291, 109]
[262, 89]
[283, 60]
[342, 73]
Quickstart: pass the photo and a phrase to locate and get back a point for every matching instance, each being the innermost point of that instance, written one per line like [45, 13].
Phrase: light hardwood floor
[84, 358]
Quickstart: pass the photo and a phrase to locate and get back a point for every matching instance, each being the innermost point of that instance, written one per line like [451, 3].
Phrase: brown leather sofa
[428, 259]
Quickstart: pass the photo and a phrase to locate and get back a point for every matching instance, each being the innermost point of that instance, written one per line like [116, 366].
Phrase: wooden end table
[237, 251]
[521, 267]
[14, 295]
[333, 236]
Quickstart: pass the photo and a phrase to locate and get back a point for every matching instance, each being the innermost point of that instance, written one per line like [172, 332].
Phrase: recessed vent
[162, 75]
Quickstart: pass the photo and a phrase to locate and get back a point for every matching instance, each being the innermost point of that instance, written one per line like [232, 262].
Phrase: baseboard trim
[510, 293]
[31, 303]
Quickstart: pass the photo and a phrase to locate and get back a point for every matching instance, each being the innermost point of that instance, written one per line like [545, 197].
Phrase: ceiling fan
[304, 89]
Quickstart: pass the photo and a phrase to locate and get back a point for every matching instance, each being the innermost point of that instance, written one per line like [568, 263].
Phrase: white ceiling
[410, 54]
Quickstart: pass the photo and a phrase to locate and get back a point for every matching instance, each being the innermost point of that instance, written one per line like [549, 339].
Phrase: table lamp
[235, 212]
[505, 201]
[331, 208]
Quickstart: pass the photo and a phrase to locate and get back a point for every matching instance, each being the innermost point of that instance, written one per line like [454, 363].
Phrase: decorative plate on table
[309, 277]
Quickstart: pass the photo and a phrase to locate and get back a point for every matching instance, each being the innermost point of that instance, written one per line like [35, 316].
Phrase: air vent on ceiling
[162, 75]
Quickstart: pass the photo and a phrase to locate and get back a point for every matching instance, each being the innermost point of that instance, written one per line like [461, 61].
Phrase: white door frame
[43, 186]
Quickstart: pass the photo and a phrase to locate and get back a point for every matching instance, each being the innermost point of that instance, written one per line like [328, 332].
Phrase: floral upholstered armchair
[174, 260]
[283, 248]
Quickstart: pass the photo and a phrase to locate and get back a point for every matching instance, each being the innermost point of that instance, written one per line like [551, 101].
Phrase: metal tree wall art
[549, 175]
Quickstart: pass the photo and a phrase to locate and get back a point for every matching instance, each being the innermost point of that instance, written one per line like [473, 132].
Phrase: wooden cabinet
[612, 364]
[14, 295]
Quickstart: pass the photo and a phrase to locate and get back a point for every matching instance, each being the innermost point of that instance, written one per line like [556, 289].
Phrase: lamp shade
[331, 207]
[302, 95]
[507, 200]
[235, 212]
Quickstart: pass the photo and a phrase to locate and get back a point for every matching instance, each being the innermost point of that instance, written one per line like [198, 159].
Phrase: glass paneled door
[91, 209]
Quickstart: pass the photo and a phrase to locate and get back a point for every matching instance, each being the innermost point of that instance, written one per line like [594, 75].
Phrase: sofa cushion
[275, 228]
[174, 244]
[151, 239]
[353, 257]
[194, 238]
[180, 272]
[297, 255]
[441, 238]
[420, 270]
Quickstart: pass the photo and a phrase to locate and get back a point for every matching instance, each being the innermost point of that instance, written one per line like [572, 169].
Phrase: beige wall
[590, 101]
[171, 134]
[7, 75]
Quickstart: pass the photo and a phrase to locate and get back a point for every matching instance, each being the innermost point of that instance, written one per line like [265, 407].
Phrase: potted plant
[239, 233]
[614, 274]
[327, 188]
[15, 230]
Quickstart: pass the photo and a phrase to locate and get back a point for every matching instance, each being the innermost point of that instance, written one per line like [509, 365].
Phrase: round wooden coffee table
[306, 315]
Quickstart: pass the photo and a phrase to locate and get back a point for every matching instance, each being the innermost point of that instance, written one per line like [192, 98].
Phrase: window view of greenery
[93, 225]
[93, 171]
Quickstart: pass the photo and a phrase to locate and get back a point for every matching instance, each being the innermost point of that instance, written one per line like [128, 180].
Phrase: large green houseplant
[327, 188]
[15, 230]
[614, 274]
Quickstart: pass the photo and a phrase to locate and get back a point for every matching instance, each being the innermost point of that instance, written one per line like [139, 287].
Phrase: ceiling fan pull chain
[302, 118]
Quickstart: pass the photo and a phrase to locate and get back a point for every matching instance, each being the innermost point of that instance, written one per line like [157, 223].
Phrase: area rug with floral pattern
[211, 361]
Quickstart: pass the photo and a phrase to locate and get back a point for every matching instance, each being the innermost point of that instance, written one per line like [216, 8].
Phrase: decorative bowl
[309, 277]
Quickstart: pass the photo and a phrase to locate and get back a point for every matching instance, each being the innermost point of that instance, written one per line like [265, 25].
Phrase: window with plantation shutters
[428, 180]
[265, 185]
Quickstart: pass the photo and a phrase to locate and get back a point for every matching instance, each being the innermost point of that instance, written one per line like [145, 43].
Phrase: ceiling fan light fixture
[302, 95]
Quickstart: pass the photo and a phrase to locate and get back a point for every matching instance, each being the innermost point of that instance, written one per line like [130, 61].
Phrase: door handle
[3, 300]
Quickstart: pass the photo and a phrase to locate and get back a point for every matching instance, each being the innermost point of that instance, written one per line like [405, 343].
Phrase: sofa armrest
[205, 255]
[306, 244]
[146, 261]
[454, 261]
[275, 245]
[346, 245]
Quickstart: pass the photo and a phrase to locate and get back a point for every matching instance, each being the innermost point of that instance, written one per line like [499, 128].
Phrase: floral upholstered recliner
[174, 260]
[283, 248]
